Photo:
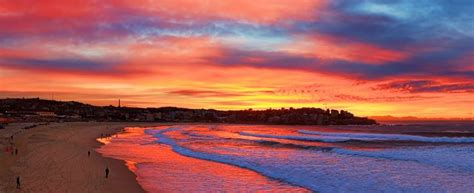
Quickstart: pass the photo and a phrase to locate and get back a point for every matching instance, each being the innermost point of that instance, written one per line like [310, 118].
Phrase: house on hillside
[46, 113]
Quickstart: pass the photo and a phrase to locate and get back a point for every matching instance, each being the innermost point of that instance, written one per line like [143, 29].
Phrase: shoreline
[121, 165]
[184, 173]
[53, 158]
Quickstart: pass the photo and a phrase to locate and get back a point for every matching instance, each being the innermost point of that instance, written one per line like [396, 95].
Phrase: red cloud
[328, 47]
[76, 12]
[261, 11]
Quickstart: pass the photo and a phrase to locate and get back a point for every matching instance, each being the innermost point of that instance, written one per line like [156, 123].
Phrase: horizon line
[375, 117]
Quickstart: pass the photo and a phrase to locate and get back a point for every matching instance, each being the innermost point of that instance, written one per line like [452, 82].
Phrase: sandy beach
[53, 158]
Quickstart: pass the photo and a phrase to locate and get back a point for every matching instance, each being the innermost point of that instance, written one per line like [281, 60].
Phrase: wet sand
[53, 158]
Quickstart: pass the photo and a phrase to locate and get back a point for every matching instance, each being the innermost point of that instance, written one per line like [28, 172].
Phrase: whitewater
[291, 158]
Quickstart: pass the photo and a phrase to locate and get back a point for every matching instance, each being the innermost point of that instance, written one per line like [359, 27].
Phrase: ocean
[409, 157]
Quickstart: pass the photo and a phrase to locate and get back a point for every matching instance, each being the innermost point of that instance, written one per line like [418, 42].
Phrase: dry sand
[53, 158]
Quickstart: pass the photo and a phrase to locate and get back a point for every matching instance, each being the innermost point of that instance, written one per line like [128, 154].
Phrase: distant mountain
[35, 109]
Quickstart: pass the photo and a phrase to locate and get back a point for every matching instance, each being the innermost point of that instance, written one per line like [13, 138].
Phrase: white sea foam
[388, 137]
[460, 158]
[457, 157]
[297, 137]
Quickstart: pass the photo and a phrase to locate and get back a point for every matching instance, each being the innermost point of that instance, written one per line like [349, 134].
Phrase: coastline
[53, 158]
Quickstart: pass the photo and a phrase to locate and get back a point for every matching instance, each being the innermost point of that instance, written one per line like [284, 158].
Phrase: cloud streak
[420, 86]
[244, 54]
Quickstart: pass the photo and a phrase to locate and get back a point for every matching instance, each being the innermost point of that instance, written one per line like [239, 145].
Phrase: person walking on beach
[18, 182]
[107, 172]
[88, 153]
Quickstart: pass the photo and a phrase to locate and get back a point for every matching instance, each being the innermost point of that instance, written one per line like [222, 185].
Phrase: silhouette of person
[89, 153]
[18, 182]
[107, 172]
[16, 151]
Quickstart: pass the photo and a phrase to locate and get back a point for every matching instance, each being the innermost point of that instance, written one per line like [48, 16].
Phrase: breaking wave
[227, 159]
[336, 168]
[386, 137]
[296, 137]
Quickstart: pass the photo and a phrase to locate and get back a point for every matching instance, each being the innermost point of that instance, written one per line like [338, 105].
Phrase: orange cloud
[176, 53]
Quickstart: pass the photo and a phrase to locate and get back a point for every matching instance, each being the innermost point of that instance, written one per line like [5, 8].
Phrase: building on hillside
[46, 113]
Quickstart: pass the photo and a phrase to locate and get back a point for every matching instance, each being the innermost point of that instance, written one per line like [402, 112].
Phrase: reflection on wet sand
[159, 169]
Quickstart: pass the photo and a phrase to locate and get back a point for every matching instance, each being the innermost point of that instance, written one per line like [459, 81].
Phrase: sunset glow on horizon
[372, 58]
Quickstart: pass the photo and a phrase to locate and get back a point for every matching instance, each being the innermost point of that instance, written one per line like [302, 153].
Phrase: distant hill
[35, 109]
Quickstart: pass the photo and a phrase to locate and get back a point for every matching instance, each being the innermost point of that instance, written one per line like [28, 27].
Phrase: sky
[372, 58]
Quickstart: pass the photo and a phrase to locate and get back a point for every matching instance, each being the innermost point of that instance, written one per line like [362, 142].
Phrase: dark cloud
[55, 63]
[346, 97]
[263, 59]
[72, 65]
[436, 63]
[422, 86]
[430, 63]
